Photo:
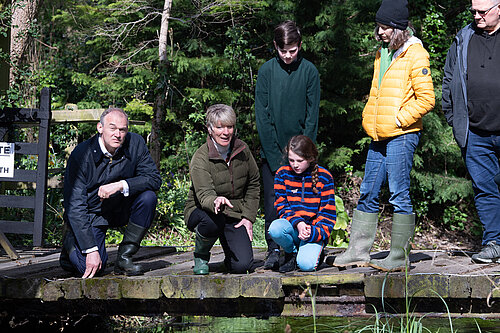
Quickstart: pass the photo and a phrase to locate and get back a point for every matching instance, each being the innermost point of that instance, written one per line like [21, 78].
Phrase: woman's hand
[248, 225]
[304, 231]
[219, 201]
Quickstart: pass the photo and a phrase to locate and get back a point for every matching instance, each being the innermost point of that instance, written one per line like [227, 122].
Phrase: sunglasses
[481, 13]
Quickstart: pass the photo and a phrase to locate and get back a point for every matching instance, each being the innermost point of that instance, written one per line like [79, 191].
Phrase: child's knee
[276, 228]
[306, 263]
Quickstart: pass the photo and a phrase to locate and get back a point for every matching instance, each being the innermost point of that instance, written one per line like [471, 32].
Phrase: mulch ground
[429, 234]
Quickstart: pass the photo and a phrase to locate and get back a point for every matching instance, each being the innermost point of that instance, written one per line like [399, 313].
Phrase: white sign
[6, 159]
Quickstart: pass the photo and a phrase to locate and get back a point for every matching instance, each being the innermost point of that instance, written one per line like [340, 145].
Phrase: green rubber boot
[403, 227]
[202, 253]
[363, 230]
[129, 246]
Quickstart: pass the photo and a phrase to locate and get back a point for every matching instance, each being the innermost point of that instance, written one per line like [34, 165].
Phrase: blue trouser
[389, 160]
[142, 209]
[286, 236]
[481, 158]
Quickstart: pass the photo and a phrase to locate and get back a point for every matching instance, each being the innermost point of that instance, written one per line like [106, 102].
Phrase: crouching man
[110, 181]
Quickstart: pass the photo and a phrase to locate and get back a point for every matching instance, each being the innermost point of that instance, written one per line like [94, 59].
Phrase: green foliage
[54, 218]
[339, 233]
[23, 87]
[171, 199]
[114, 236]
[139, 110]
[259, 235]
[454, 218]
[101, 53]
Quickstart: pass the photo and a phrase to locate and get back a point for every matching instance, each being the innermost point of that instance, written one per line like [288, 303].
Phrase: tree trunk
[23, 14]
[162, 90]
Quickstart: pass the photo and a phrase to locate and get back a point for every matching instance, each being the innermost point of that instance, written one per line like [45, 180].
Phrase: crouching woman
[224, 196]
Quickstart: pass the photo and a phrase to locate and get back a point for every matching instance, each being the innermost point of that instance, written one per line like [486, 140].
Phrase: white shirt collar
[103, 148]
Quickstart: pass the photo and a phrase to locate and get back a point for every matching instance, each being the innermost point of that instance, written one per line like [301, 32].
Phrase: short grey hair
[220, 113]
[108, 111]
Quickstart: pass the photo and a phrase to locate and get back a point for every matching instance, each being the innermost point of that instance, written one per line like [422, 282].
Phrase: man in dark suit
[110, 181]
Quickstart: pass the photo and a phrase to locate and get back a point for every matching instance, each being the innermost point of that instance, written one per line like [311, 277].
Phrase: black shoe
[489, 253]
[272, 260]
[290, 263]
[321, 258]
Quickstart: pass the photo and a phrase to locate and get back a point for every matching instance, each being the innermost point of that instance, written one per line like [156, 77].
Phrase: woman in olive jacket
[400, 95]
[224, 196]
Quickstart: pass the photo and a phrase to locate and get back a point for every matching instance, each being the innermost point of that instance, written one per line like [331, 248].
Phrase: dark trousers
[270, 213]
[141, 212]
[235, 242]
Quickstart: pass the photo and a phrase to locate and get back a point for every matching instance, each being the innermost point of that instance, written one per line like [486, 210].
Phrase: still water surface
[305, 324]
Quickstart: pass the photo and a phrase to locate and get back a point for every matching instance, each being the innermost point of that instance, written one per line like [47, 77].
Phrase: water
[199, 324]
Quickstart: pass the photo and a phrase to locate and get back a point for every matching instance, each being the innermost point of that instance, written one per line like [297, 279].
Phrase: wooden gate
[10, 118]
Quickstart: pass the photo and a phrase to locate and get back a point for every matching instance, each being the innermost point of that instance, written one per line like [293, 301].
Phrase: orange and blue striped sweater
[296, 201]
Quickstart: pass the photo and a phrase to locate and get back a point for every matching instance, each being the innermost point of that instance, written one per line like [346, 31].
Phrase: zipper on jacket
[378, 95]
[230, 167]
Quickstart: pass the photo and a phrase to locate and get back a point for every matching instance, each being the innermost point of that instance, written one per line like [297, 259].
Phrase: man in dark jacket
[287, 98]
[109, 180]
[471, 102]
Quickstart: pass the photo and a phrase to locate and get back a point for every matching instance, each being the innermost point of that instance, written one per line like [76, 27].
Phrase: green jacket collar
[236, 147]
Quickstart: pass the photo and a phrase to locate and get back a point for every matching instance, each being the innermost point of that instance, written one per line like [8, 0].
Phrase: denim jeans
[481, 158]
[389, 160]
[308, 254]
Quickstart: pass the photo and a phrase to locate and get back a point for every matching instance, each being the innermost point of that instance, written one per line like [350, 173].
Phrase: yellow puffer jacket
[406, 93]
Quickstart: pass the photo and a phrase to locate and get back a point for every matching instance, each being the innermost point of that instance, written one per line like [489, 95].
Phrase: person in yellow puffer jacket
[401, 94]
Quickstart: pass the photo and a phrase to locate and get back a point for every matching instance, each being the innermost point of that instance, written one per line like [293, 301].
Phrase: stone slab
[169, 283]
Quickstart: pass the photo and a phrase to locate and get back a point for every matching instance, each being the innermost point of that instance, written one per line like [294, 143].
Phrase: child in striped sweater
[305, 201]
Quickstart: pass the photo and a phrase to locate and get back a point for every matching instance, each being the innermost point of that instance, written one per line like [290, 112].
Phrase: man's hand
[92, 264]
[304, 230]
[219, 201]
[105, 191]
[248, 225]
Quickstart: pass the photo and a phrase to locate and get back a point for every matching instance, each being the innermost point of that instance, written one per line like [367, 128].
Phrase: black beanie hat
[393, 13]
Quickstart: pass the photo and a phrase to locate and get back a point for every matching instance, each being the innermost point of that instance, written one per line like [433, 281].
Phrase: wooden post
[41, 177]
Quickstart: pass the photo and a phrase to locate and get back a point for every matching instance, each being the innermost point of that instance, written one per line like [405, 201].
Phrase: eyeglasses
[481, 13]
